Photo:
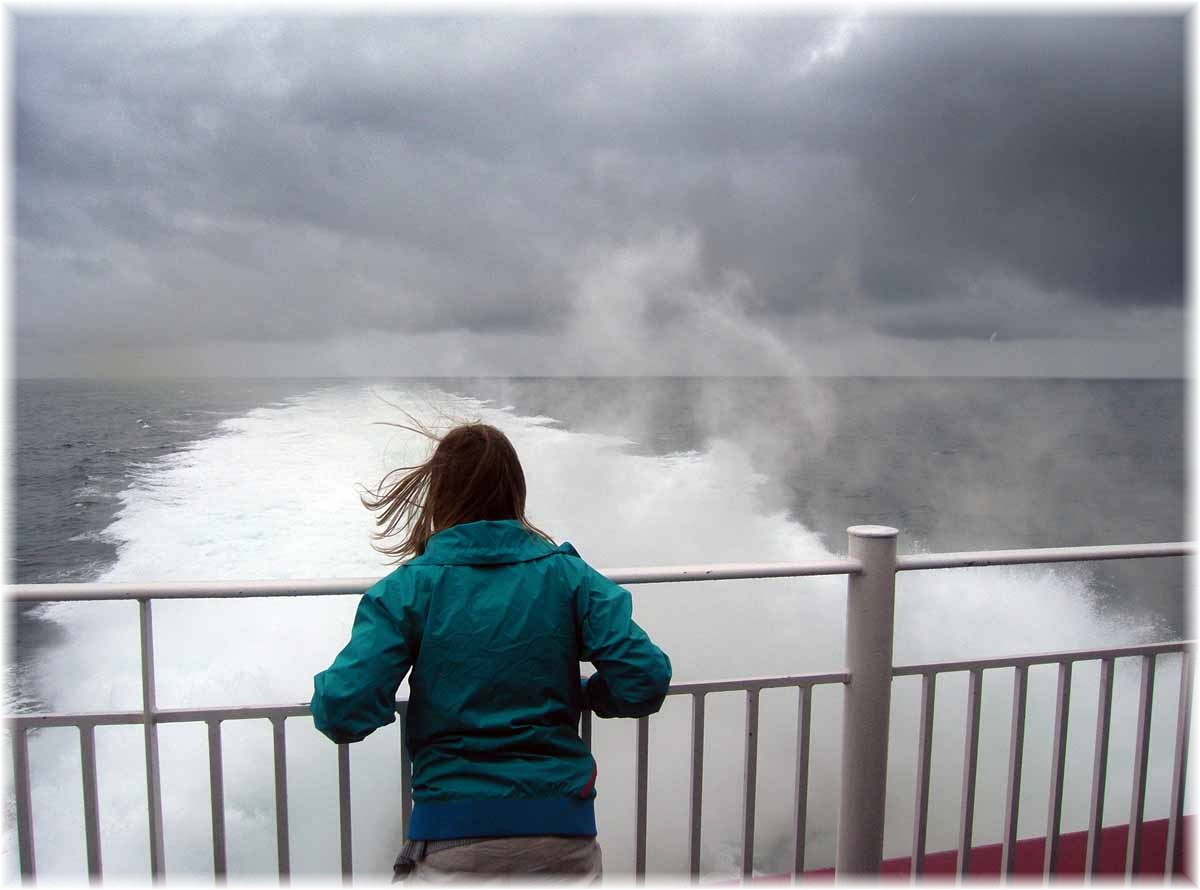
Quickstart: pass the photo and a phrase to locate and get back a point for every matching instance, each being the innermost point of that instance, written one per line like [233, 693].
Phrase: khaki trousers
[565, 860]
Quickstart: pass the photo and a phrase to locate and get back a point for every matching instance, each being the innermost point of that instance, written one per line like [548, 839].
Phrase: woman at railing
[492, 619]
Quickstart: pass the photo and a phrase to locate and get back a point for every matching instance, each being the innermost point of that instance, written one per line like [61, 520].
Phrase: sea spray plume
[1013, 477]
[656, 305]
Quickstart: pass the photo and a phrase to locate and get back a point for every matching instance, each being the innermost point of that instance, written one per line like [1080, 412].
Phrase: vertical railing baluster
[639, 819]
[216, 796]
[1099, 767]
[344, 811]
[924, 758]
[800, 813]
[697, 786]
[1016, 756]
[750, 788]
[1175, 832]
[283, 850]
[970, 762]
[1137, 803]
[406, 803]
[24, 801]
[870, 620]
[1058, 763]
[91, 805]
[150, 727]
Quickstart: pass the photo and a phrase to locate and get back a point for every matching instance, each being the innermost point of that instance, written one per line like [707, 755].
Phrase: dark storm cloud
[296, 177]
[1049, 149]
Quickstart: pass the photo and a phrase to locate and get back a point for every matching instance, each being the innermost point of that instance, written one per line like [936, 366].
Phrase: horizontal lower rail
[270, 712]
[759, 683]
[1002, 661]
[257, 712]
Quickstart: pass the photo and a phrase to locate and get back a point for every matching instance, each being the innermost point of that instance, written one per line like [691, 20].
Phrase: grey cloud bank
[770, 194]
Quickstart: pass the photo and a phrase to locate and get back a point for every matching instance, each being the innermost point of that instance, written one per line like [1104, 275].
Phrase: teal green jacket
[493, 622]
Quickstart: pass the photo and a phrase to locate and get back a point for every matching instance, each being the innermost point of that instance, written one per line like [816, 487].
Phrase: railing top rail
[1041, 555]
[156, 590]
[45, 593]
[734, 571]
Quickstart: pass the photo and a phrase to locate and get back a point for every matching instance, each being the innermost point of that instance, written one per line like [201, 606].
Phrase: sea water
[249, 480]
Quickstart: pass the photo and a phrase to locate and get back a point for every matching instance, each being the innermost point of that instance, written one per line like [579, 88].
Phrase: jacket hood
[487, 542]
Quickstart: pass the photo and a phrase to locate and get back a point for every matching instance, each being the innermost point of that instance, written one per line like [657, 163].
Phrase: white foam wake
[274, 497]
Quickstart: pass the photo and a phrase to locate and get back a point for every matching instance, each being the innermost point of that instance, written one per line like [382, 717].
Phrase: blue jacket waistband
[502, 817]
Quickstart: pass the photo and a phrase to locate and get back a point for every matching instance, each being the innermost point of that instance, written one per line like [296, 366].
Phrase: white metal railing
[1148, 655]
[870, 568]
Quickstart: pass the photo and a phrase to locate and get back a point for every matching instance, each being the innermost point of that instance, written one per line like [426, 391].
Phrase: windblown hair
[473, 474]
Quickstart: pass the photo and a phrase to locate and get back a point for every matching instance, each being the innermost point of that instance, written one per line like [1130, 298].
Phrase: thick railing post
[150, 728]
[870, 607]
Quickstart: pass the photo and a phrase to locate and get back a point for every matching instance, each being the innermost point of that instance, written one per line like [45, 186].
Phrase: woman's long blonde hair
[473, 474]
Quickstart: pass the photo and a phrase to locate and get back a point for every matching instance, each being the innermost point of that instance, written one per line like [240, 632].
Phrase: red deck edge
[1030, 853]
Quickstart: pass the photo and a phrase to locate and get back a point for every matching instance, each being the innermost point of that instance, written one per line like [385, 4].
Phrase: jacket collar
[488, 542]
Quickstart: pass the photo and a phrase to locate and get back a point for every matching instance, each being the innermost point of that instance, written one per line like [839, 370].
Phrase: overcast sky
[537, 194]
